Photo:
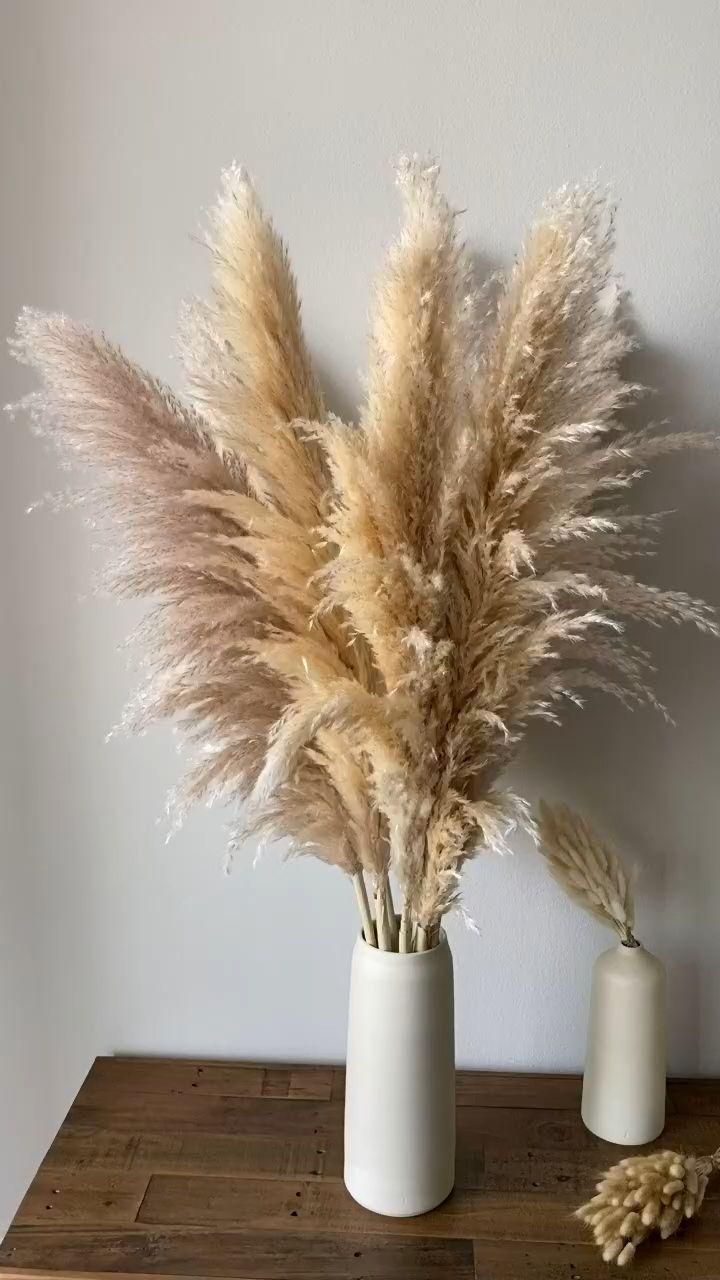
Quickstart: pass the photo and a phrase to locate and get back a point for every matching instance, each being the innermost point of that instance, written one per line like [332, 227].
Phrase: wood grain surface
[217, 1169]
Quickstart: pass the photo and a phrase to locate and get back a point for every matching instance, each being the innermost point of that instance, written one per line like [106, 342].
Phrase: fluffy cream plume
[357, 623]
[586, 868]
[643, 1195]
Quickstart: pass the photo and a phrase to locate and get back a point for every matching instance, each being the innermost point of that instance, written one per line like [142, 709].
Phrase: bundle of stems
[355, 624]
[385, 929]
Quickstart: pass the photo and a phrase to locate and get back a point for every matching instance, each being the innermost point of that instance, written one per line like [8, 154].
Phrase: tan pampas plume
[586, 868]
[356, 624]
[645, 1195]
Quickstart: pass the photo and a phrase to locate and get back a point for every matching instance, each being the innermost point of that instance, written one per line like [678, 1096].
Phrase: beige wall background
[116, 121]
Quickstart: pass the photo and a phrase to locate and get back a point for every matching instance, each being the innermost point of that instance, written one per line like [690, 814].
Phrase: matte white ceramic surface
[400, 1087]
[624, 1084]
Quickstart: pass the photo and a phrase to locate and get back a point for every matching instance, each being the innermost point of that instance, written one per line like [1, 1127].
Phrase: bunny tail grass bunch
[643, 1195]
[588, 871]
[356, 623]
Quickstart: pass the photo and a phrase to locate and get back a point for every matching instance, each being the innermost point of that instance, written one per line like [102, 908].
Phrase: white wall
[116, 121]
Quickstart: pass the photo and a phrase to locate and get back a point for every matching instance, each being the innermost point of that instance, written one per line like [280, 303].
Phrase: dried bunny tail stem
[645, 1194]
[589, 872]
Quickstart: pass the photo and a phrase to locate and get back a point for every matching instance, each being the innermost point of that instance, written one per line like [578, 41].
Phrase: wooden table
[205, 1169]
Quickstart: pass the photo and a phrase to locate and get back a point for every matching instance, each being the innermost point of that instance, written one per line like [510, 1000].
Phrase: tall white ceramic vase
[623, 1096]
[400, 1085]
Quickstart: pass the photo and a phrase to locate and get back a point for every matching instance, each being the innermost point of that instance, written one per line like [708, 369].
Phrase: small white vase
[400, 1085]
[623, 1096]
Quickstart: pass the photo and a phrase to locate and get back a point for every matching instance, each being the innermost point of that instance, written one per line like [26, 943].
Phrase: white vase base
[390, 1203]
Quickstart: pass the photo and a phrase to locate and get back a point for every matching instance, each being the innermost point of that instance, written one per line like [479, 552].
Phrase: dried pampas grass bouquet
[355, 623]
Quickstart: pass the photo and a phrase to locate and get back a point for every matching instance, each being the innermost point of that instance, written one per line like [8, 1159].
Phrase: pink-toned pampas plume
[358, 623]
[219, 507]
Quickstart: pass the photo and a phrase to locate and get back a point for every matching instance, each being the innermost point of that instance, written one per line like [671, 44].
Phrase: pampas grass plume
[587, 869]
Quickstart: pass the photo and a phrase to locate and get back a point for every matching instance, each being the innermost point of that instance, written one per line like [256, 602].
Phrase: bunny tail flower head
[356, 624]
[646, 1195]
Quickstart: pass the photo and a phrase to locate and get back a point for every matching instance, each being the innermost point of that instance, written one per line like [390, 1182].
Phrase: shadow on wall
[650, 786]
